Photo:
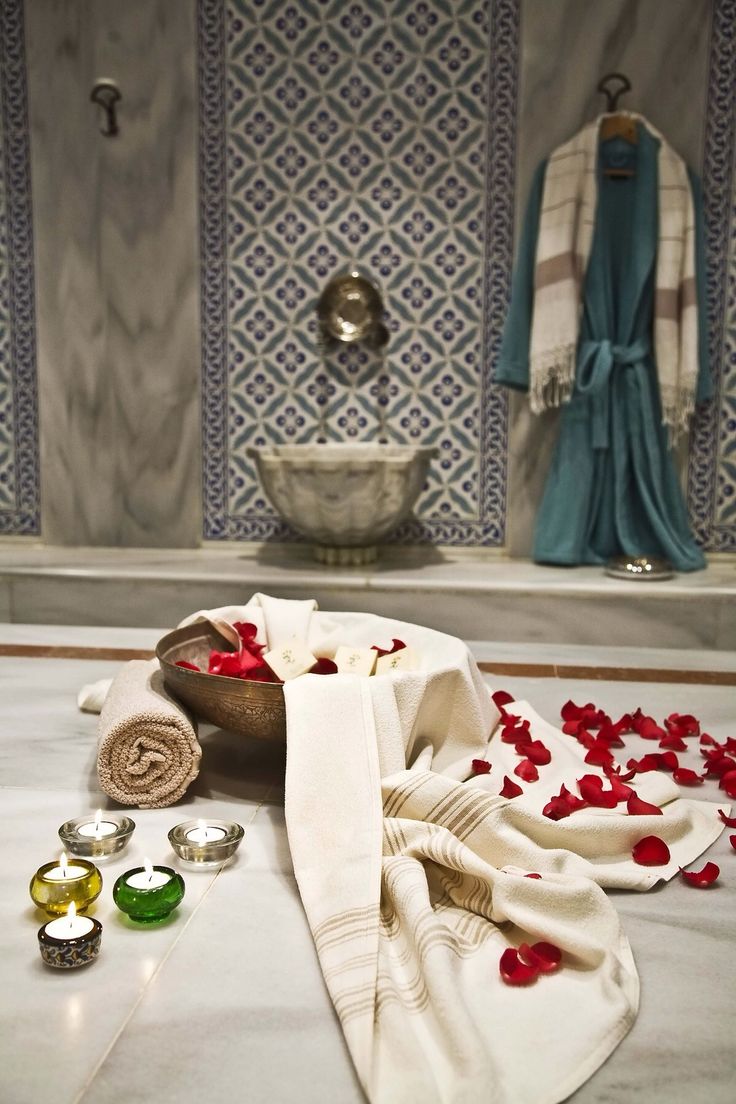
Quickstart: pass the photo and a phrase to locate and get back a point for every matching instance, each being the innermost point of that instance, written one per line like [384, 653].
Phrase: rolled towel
[147, 752]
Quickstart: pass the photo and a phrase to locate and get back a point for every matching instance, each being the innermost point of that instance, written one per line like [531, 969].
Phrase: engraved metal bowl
[350, 309]
[639, 568]
[247, 708]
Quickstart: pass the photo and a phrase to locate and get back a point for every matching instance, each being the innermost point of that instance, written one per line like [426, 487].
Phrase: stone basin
[344, 497]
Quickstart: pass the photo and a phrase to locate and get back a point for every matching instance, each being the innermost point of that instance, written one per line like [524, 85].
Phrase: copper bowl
[248, 708]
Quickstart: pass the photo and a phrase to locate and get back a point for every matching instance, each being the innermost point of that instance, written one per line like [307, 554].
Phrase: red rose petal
[622, 792]
[598, 755]
[636, 807]
[514, 729]
[730, 822]
[667, 760]
[545, 956]
[701, 878]
[396, 646]
[537, 752]
[592, 792]
[527, 771]
[186, 665]
[651, 851]
[673, 742]
[683, 776]
[706, 739]
[481, 766]
[728, 783]
[514, 971]
[572, 712]
[684, 724]
[510, 789]
[539, 876]
[732, 841]
[500, 699]
[556, 809]
[324, 666]
[649, 729]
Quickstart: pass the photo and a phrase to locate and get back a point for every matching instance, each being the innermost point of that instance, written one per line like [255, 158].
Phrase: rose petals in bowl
[701, 878]
[651, 851]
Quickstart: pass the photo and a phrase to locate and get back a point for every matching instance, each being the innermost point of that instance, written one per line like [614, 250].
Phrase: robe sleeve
[512, 369]
[704, 389]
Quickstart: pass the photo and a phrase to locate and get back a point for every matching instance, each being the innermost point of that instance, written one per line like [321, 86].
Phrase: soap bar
[290, 659]
[405, 659]
[355, 661]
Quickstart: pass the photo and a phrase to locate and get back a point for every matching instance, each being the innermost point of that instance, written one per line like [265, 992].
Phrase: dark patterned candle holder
[65, 953]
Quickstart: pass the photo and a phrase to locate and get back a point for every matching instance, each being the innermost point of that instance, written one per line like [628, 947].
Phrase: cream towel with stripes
[566, 226]
[411, 872]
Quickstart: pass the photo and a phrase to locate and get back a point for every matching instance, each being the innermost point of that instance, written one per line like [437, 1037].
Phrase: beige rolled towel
[147, 752]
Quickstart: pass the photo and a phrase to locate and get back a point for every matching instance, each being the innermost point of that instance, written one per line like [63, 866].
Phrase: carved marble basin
[344, 497]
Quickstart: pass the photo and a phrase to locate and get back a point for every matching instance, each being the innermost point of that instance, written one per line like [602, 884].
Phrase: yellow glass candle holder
[56, 884]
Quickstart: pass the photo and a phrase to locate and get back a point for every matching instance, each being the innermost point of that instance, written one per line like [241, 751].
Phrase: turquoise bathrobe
[612, 488]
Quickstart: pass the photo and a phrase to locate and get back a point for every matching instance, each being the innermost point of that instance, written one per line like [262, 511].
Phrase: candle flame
[98, 823]
[63, 863]
[148, 867]
[202, 825]
[71, 913]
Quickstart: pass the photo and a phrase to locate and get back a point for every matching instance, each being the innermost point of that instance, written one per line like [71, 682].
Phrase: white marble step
[477, 597]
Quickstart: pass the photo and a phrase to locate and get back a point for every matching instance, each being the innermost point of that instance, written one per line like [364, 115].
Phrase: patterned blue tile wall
[19, 465]
[360, 134]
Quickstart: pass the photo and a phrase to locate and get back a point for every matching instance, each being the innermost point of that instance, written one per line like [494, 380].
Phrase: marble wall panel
[117, 271]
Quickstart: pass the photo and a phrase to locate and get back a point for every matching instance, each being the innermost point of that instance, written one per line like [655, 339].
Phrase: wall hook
[606, 87]
[106, 93]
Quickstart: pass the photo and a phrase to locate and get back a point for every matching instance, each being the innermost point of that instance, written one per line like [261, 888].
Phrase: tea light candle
[148, 893]
[98, 827]
[205, 833]
[95, 837]
[70, 941]
[55, 886]
[207, 842]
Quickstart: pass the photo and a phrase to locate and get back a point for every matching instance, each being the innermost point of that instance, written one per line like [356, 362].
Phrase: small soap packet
[405, 659]
[290, 659]
[355, 661]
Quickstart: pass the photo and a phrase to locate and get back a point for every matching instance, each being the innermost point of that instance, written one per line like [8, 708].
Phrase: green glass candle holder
[53, 892]
[147, 904]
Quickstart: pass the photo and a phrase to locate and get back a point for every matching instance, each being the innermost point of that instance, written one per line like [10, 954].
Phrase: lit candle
[98, 827]
[63, 872]
[149, 893]
[98, 838]
[70, 941]
[206, 844]
[205, 833]
[70, 926]
[149, 878]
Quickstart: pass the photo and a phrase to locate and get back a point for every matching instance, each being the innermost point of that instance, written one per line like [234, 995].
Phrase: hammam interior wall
[158, 287]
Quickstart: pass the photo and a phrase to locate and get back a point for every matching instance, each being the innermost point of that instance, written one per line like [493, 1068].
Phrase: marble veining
[227, 997]
[117, 265]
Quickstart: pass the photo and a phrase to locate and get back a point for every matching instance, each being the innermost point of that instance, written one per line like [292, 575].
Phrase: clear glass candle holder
[79, 837]
[64, 951]
[148, 904]
[54, 893]
[191, 843]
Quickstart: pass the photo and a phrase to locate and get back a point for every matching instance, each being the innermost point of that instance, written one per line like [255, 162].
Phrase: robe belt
[595, 363]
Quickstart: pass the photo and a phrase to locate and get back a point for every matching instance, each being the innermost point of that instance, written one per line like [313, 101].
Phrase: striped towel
[566, 227]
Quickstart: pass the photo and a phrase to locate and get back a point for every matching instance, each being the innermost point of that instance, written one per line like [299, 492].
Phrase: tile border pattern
[23, 463]
[711, 439]
[219, 522]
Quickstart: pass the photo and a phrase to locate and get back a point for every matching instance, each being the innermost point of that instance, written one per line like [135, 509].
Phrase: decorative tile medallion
[355, 133]
[19, 468]
[712, 470]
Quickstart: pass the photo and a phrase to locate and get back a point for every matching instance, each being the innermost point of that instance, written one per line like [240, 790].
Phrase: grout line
[108, 1050]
